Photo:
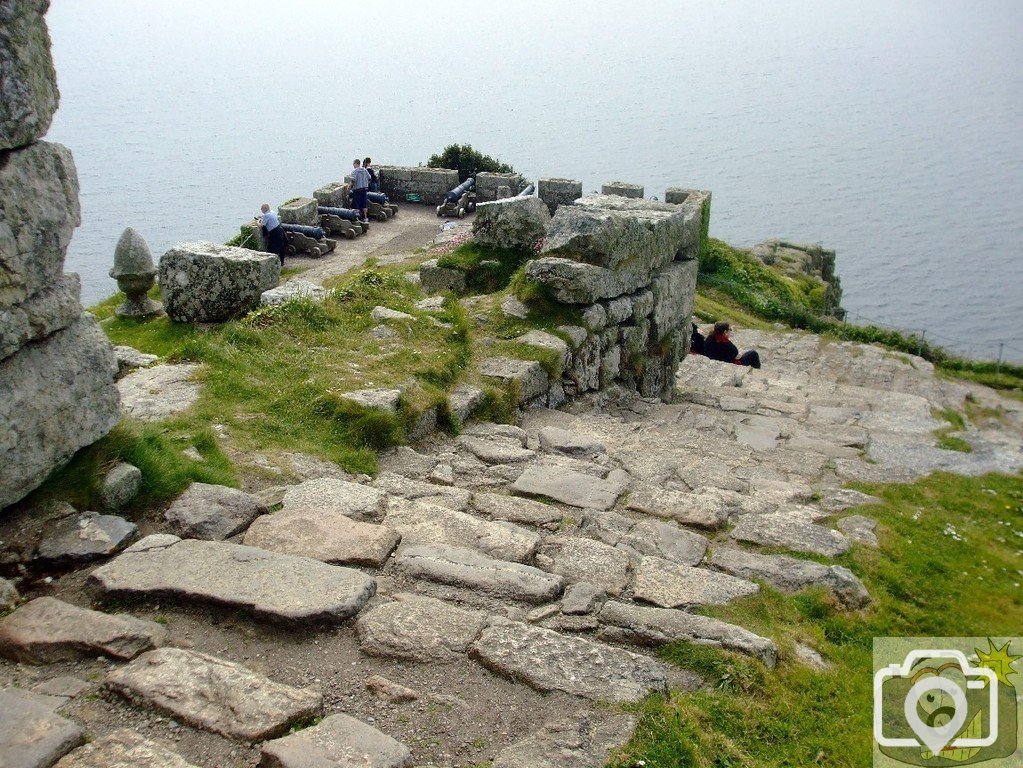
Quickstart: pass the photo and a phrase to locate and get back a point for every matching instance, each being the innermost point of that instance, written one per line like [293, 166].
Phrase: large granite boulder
[28, 83]
[41, 315]
[59, 396]
[209, 283]
[38, 212]
[515, 222]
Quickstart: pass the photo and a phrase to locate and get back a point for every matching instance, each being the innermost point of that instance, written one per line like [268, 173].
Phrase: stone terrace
[532, 570]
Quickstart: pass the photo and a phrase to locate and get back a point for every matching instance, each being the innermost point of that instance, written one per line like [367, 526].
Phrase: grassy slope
[925, 582]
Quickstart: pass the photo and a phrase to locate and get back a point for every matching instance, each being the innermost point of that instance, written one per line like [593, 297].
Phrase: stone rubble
[85, 537]
[31, 735]
[213, 512]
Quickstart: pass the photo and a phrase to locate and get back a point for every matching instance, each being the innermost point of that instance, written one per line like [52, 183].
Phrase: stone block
[674, 291]
[585, 369]
[488, 185]
[39, 211]
[209, 283]
[78, 539]
[515, 223]
[293, 290]
[557, 192]
[384, 399]
[121, 749]
[120, 485]
[549, 343]
[330, 195]
[129, 358]
[330, 536]
[28, 83]
[527, 377]
[394, 172]
[42, 314]
[437, 279]
[437, 177]
[31, 735]
[622, 189]
[336, 742]
[463, 401]
[301, 210]
[419, 629]
[58, 396]
[213, 512]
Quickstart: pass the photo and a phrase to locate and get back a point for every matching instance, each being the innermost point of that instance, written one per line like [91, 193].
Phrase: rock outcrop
[804, 261]
[57, 368]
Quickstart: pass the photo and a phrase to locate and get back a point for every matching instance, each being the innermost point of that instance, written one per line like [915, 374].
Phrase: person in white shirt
[273, 232]
[360, 187]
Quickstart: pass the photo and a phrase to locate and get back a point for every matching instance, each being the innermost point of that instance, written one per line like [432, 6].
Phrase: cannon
[378, 206]
[526, 191]
[341, 221]
[459, 200]
[307, 240]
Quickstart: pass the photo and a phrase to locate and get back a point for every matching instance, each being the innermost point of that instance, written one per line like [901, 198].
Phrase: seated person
[718, 347]
[696, 342]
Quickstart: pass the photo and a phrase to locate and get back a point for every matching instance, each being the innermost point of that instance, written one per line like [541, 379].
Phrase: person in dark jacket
[273, 232]
[374, 182]
[696, 341]
[719, 347]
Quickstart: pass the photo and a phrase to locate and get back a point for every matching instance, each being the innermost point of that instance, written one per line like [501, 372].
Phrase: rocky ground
[491, 597]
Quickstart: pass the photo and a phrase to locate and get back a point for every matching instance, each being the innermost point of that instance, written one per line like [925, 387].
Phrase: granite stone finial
[135, 274]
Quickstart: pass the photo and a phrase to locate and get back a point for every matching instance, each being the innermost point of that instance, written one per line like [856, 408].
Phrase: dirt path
[389, 241]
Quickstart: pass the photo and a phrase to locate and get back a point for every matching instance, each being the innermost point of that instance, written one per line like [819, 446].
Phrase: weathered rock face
[339, 741]
[56, 379]
[576, 742]
[213, 512]
[28, 83]
[800, 260]
[209, 283]
[30, 734]
[58, 396]
[419, 629]
[121, 749]
[516, 222]
[558, 192]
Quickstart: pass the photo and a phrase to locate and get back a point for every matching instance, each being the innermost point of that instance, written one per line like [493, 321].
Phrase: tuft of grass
[925, 582]
[945, 437]
[487, 269]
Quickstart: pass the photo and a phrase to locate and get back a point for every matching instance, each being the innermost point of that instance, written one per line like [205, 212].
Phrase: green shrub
[467, 161]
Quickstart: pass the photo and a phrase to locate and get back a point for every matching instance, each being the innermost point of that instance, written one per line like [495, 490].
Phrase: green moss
[486, 269]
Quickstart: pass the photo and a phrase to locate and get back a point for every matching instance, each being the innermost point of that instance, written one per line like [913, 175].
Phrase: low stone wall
[622, 189]
[491, 186]
[57, 368]
[628, 267]
[431, 184]
[557, 192]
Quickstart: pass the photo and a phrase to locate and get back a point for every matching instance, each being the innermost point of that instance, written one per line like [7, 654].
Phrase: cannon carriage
[460, 200]
[341, 221]
[310, 241]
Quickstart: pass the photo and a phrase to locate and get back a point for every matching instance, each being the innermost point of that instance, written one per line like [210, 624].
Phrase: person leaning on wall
[273, 232]
[718, 346]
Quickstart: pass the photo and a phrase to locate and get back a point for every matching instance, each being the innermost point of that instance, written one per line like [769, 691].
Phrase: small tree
[467, 161]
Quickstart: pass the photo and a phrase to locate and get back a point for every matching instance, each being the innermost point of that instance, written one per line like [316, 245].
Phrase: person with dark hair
[360, 187]
[718, 347]
[272, 231]
[696, 341]
[374, 182]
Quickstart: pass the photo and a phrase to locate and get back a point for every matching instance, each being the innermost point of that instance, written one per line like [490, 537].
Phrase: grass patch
[946, 439]
[487, 269]
[274, 378]
[948, 565]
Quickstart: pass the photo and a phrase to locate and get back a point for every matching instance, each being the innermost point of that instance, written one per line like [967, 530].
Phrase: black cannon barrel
[526, 191]
[313, 232]
[377, 197]
[344, 213]
[461, 189]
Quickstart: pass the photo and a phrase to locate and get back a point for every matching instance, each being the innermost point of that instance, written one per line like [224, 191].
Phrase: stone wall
[557, 192]
[628, 267]
[431, 184]
[57, 368]
[490, 186]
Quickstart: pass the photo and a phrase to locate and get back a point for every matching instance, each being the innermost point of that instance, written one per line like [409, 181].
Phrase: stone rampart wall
[57, 368]
[431, 184]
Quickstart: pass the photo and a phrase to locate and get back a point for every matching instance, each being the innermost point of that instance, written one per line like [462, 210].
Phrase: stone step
[48, 630]
[576, 489]
[573, 444]
[407, 488]
[670, 585]
[31, 735]
[214, 694]
[421, 522]
[469, 569]
[642, 625]
[702, 510]
[123, 749]
[85, 537]
[418, 629]
[667, 541]
[338, 741]
[213, 512]
[791, 574]
[516, 510]
[332, 495]
[325, 535]
[496, 450]
[585, 560]
[792, 531]
[281, 588]
[548, 661]
[583, 741]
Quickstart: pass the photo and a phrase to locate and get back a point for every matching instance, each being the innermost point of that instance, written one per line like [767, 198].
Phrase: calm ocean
[889, 131]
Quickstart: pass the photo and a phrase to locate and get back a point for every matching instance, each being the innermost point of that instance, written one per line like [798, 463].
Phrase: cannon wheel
[349, 234]
[381, 217]
[394, 209]
[461, 213]
[439, 209]
[290, 250]
[472, 206]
